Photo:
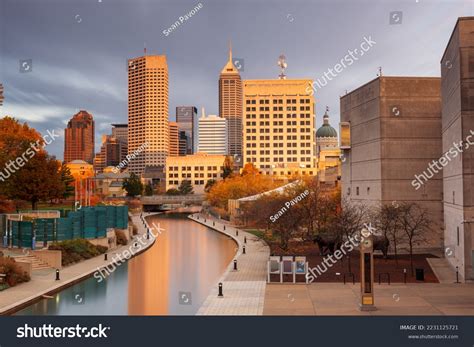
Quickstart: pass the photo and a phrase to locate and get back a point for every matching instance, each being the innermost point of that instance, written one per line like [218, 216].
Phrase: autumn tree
[228, 167]
[186, 188]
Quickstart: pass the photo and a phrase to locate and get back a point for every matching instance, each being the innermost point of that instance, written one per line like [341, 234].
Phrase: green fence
[88, 223]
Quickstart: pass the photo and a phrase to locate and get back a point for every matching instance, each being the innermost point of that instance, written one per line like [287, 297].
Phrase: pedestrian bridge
[169, 202]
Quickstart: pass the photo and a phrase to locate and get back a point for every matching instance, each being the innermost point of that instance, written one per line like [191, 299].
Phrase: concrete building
[457, 89]
[198, 169]
[79, 138]
[328, 152]
[279, 127]
[186, 117]
[174, 139]
[109, 184]
[395, 127]
[182, 142]
[148, 111]
[230, 105]
[213, 134]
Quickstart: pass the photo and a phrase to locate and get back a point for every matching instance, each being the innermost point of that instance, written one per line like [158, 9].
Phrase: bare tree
[387, 219]
[414, 221]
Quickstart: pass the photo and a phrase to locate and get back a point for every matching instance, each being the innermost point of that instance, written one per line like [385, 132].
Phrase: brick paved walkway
[244, 289]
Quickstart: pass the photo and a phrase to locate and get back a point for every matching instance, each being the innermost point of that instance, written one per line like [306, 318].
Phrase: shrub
[74, 251]
[121, 238]
[14, 273]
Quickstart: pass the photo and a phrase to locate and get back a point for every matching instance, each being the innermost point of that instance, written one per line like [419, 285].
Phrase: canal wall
[243, 289]
[43, 283]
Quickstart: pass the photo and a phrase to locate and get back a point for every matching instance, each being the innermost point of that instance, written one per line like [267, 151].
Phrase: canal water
[173, 277]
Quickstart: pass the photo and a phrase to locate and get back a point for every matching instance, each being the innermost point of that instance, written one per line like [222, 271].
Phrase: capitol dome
[326, 130]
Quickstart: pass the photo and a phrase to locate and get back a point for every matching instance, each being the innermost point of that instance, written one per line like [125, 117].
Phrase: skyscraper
[112, 152]
[230, 104]
[185, 117]
[174, 139]
[148, 126]
[212, 134]
[79, 138]
[279, 126]
[120, 132]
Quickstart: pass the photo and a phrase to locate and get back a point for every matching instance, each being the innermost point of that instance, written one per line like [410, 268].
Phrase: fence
[87, 223]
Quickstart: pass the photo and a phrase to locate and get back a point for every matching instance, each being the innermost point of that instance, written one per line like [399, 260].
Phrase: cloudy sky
[79, 49]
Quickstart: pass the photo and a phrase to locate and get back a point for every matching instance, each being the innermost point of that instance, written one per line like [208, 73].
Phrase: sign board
[287, 265]
[274, 265]
[300, 265]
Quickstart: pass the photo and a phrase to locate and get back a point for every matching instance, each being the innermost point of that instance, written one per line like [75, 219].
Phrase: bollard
[57, 274]
[105, 256]
[245, 239]
[205, 220]
[220, 290]
[243, 250]
[213, 224]
[235, 264]
[147, 234]
[457, 274]
[224, 227]
[236, 232]
[405, 275]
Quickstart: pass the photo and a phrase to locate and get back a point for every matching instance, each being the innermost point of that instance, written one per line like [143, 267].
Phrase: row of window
[277, 101]
[197, 168]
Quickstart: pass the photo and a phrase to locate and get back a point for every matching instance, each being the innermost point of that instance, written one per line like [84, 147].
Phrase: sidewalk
[43, 281]
[244, 289]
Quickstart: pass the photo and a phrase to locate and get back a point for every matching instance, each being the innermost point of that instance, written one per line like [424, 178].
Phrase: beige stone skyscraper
[279, 127]
[148, 111]
[230, 105]
[174, 139]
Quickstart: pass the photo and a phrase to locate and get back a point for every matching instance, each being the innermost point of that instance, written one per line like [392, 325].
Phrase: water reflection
[172, 278]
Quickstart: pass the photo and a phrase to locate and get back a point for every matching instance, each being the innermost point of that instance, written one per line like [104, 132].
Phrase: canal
[173, 277]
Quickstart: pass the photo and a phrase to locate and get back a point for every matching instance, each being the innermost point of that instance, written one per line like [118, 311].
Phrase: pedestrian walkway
[337, 299]
[43, 282]
[244, 289]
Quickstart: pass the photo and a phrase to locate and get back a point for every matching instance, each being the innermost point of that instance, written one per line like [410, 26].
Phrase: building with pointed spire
[230, 105]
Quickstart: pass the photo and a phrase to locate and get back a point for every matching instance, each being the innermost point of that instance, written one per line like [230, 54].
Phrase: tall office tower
[79, 138]
[390, 134]
[120, 132]
[174, 139]
[1, 94]
[457, 90]
[148, 128]
[230, 105]
[279, 127]
[185, 117]
[112, 152]
[183, 142]
[212, 134]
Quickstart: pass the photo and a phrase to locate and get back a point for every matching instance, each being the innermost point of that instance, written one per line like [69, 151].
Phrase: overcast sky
[79, 50]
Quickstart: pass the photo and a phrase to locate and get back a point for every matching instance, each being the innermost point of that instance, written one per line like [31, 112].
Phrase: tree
[414, 221]
[387, 220]
[209, 184]
[185, 187]
[173, 191]
[228, 167]
[68, 182]
[38, 180]
[250, 169]
[132, 185]
[149, 189]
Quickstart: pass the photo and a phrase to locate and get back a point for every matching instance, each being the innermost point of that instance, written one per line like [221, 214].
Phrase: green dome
[326, 130]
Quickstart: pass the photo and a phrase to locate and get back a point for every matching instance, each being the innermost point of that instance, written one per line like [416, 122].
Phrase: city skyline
[100, 87]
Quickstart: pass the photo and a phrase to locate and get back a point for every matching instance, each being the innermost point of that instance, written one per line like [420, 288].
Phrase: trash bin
[420, 274]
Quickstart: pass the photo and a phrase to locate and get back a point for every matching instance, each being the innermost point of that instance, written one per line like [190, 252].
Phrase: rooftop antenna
[283, 65]
[380, 71]
[203, 113]
[144, 48]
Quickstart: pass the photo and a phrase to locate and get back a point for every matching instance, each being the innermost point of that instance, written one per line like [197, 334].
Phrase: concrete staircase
[37, 264]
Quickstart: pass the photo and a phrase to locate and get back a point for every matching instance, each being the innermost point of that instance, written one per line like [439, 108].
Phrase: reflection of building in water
[148, 278]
